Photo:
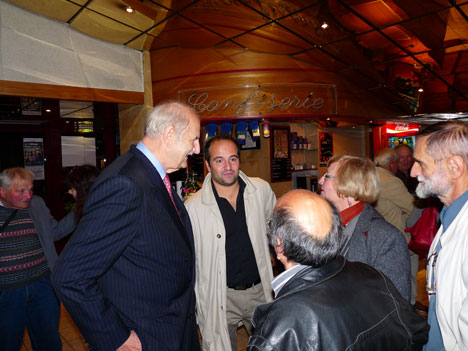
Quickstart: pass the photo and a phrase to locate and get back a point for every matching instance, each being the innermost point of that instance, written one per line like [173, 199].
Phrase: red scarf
[351, 212]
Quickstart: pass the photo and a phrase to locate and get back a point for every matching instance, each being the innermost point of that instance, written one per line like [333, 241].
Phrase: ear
[456, 166]
[207, 166]
[169, 135]
[278, 247]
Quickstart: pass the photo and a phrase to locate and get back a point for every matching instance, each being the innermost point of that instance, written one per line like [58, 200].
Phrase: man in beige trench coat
[233, 262]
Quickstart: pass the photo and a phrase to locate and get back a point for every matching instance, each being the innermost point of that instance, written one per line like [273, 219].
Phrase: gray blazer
[48, 229]
[379, 244]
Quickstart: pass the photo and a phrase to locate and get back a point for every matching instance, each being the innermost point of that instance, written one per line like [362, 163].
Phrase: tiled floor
[71, 337]
[72, 340]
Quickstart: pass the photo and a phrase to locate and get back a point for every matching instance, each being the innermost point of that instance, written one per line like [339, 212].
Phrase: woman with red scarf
[352, 185]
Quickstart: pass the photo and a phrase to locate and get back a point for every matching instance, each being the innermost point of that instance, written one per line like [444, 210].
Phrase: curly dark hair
[81, 178]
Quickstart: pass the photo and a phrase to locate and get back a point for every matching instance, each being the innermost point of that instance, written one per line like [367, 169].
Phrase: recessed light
[420, 90]
[48, 110]
[324, 25]
[129, 9]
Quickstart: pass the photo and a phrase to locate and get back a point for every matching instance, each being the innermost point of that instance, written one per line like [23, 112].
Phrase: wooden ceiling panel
[99, 26]
[60, 10]
[137, 20]
[273, 39]
[241, 19]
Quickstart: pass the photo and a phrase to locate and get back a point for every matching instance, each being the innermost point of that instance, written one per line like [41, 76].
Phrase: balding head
[311, 212]
[308, 228]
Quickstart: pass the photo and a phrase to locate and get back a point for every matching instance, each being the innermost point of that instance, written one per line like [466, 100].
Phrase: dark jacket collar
[311, 276]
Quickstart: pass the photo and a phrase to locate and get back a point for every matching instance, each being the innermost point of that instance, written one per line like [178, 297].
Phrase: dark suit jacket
[130, 263]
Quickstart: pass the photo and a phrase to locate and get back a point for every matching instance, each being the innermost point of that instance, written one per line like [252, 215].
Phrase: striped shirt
[281, 280]
[22, 258]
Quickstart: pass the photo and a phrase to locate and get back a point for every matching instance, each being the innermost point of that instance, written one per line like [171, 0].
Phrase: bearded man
[441, 167]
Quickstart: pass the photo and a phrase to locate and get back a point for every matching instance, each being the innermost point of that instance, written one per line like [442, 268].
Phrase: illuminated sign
[402, 127]
[262, 100]
[84, 126]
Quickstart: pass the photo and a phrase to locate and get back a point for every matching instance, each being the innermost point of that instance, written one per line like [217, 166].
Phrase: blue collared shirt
[447, 216]
[154, 161]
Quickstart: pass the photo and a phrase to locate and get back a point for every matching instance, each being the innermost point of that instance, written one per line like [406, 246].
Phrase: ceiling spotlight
[48, 110]
[129, 9]
[324, 25]
[420, 90]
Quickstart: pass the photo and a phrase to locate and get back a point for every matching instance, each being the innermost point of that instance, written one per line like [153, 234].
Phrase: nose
[196, 147]
[29, 194]
[415, 170]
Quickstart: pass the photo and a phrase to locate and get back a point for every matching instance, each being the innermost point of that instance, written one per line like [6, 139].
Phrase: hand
[132, 344]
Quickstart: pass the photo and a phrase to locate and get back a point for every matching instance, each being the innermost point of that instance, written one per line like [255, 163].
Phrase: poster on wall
[78, 150]
[326, 147]
[280, 154]
[33, 151]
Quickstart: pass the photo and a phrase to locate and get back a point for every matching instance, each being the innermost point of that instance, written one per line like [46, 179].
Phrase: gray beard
[423, 192]
[432, 188]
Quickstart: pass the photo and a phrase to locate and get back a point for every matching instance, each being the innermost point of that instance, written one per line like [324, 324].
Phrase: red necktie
[167, 183]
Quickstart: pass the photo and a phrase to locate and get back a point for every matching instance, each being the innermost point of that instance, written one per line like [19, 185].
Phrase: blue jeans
[35, 307]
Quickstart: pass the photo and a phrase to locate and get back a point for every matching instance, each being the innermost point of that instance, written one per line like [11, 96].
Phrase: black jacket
[340, 306]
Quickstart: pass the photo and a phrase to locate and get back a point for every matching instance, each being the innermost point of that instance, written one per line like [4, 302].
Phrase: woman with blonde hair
[352, 185]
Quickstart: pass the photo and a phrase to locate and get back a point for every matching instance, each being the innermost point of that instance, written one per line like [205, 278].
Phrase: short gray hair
[446, 139]
[7, 176]
[300, 246]
[170, 113]
[385, 156]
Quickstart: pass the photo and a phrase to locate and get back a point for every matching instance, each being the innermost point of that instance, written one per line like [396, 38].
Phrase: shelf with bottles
[301, 143]
[311, 149]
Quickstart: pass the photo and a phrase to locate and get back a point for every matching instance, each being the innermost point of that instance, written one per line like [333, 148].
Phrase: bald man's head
[311, 212]
[308, 227]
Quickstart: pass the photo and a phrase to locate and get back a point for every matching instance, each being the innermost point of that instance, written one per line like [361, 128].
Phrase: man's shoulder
[387, 179]
[128, 164]
[193, 201]
[256, 183]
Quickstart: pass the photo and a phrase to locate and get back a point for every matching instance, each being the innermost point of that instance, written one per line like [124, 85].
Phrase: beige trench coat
[209, 235]
[395, 203]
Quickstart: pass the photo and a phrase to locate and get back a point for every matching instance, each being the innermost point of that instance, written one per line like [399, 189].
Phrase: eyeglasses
[430, 266]
[327, 176]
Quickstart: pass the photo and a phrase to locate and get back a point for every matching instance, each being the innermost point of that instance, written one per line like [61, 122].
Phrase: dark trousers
[35, 307]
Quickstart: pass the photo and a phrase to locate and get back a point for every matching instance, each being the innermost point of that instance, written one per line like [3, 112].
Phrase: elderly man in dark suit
[127, 275]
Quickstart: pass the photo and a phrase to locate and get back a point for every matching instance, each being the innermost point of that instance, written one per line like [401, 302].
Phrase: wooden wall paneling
[69, 93]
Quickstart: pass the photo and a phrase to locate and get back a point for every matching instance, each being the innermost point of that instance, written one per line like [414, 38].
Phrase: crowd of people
[145, 271]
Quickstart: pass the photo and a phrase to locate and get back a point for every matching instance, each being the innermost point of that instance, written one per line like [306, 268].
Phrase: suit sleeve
[270, 201]
[55, 229]
[105, 230]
